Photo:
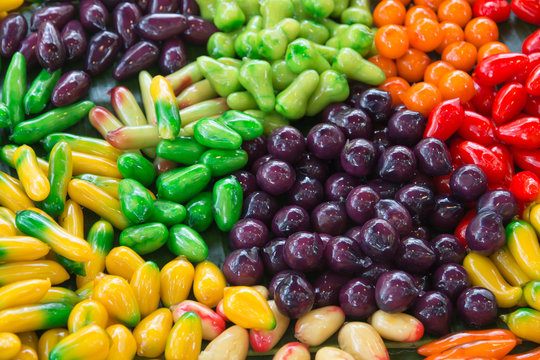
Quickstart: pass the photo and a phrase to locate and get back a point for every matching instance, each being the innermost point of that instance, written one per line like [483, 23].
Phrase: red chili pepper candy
[444, 120]
[527, 10]
[496, 10]
[506, 157]
[532, 107]
[523, 133]
[531, 43]
[497, 68]
[525, 186]
[477, 128]
[509, 102]
[533, 82]
[521, 76]
[527, 159]
[484, 97]
[474, 153]
[461, 228]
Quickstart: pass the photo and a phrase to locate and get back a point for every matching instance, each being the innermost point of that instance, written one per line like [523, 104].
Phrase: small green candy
[184, 150]
[167, 212]
[183, 240]
[180, 185]
[135, 166]
[222, 162]
[292, 102]
[135, 201]
[144, 239]
[213, 134]
[199, 212]
[227, 202]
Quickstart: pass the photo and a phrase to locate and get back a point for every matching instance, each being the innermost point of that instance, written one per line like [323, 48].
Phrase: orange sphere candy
[452, 32]
[432, 4]
[457, 84]
[412, 65]
[416, 13]
[388, 66]
[481, 30]
[395, 86]
[389, 12]
[461, 54]
[458, 11]
[435, 71]
[421, 97]
[425, 35]
[391, 41]
[491, 48]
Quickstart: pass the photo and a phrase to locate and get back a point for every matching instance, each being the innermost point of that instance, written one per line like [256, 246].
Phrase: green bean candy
[273, 11]
[183, 240]
[135, 166]
[282, 76]
[241, 100]
[357, 15]
[60, 171]
[352, 64]
[222, 162]
[313, 31]
[224, 78]
[339, 7]
[14, 88]
[207, 9]
[249, 7]
[229, 16]
[184, 150]
[73, 267]
[215, 135]
[292, 102]
[256, 77]
[302, 55]
[56, 120]
[332, 87]
[247, 42]
[135, 201]
[180, 185]
[39, 94]
[357, 37]
[145, 238]
[227, 202]
[246, 125]
[168, 213]
[4, 116]
[220, 44]
[318, 8]
[270, 121]
[199, 212]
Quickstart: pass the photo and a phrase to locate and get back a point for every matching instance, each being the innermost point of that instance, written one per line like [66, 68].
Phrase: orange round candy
[435, 71]
[491, 48]
[421, 97]
[395, 86]
[425, 35]
[391, 41]
[389, 12]
[461, 54]
[432, 4]
[458, 11]
[388, 66]
[452, 32]
[457, 84]
[416, 13]
[412, 65]
[481, 30]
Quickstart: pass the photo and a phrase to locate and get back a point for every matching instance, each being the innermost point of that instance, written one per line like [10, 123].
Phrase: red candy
[477, 128]
[525, 186]
[445, 119]
[523, 133]
[527, 10]
[474, 153]
[498, 68]
[509, 102]
[496, 10]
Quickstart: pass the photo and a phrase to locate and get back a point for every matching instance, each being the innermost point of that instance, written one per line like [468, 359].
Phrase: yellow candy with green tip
[48, 340]
[524, 323]
[12, 196]
[26, 270]
[72, 219]
[61, 170]
[89, 343]
[87, 312]
[34, 181]
[531, 293]
[522, 241]
[86, 291]
[34, 317]
[92, 164]
[23, 292]
[123, 261]
[7, 222]
[246, 307]
[105, 183]
[168, 117]
[185, 339]
[10, 345]
[100, 238]
[151, 333]
[509, 268]
[22, 248]
[145, 283]
[118, 298]
[123, 344]
[176, 280]
[62, 295]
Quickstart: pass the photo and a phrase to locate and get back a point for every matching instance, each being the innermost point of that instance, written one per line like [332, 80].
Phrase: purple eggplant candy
[13, 29]
[102, 51]
[74, 40]
[161, 26]
[28, 49]
[94, 15]
[58, 15]
[162, 6]
[71, 87]
[138, 57]
[50, 50]
[173, 56]
[189, 7]
[125, 16]
[198, 30]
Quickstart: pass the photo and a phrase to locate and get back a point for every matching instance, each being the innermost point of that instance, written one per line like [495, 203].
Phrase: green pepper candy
[220, 44]
[184, 150]
[352, 64]
[222, 162]
[246, 125]
[319, 8]
[302, 55]
[215, 135]
[357, 15]
[269, 121]
[229, 16]
[145, 238]
[180, 185]
[292, 102]
[135, 166]
[332, 87]
[135, 201]
[56, 120]
[256, 77]
[241, 100]
[4, 116]
[60, 172]
[14, 88]
[282, 76]
[168, 213]
[227, 202]
[313, 31]
[357, 37]
[531, 293]
[273, 11]
[199, 212]
[250, 8]
[207, 9]
[247, 42]
[72, 267]
[224, 78]
[39, 94]
[339, 7]
[183, 240]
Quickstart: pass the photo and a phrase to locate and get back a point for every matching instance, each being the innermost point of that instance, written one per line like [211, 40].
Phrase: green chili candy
[332, 87]
[135, 201]
[352, 64]
[199, 212]
[145, 238]
[4, 116]
[222, 162]
[168, 213]
[14, 88]
[215, 135]
[246, 125]
[229, 16]
[39, 94]
[184, 150]
[183, 240]
[227, 202]
[292, 102]
[30, 131]
[224, 78]
[60, 172]
[256, 77]
[180, 185]
[135, 166]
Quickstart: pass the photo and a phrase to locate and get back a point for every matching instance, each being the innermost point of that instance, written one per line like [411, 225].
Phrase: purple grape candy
[294, 296]
[343, 255]
[448, 249]
[330, 218]
[50, 50]
[395, 291]
[502, 202]
[198, 30]
[357, 298]
[71, 87]
[290, 219]
[247, 181]
[173, 56]
[396, 214]
[58, 15]
[261, 206]
[419, 200]
[485, 233]
[354, 123]
[125, 16]
[406, 127]
[243, 267]
[309, 165]
[272, 256]
[278, 278]
[248, 233]
[74, 40]
[360, 203]
[260, 161]
[102, 51]
[420, 232]
[385, 189]
[338, 186]
[477, 306]
[374, 272]
[434, 310]
[306, 192]
[451, 279]
[303, 251]
[28, 50]
[327, 287]
[161, 26]
[415, 255]
[446, 214]
[13, 29]
[381, 140]
[397, 164]
[286, 143]
[94, 15]
[376, 103]
[468, 183]
[433, 157]
[379, 240]
[325, 141]
[275, 177]
[358, 157]
[332, 109]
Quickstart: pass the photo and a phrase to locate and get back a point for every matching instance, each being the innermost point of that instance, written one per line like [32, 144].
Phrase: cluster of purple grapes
[360, 237]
